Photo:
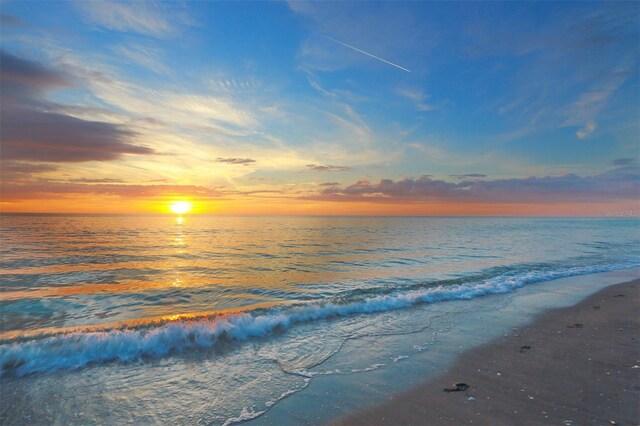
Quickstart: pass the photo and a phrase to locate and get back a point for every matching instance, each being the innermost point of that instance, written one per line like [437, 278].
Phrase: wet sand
[572, 366]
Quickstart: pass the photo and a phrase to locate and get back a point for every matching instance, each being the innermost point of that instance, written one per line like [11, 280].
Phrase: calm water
[242, 309]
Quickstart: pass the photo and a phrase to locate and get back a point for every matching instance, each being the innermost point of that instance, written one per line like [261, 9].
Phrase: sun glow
[180, 207]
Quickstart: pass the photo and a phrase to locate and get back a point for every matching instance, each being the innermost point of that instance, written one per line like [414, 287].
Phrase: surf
[70, 350]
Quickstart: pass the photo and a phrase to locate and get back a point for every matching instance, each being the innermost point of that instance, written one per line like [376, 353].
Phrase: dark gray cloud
[617, 184]
[18, 172]
[468, 175]
[329, 184]
[50, 137]
[26, 168]
[328, 168]
[234, 160]
[24, 81]
[35, 129]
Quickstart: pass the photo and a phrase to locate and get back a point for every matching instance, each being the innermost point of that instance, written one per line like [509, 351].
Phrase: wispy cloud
[569, 69]
[418, 98]
[625, 162]
[328, 168]
[234, 160]
[176, 107]
[97, 180]
[584, 110]
[145, 56]
[235, 85]
[144, 17]
[588, 128]
[468, 175]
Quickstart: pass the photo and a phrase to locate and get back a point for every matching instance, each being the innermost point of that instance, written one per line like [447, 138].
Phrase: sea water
[220, 320]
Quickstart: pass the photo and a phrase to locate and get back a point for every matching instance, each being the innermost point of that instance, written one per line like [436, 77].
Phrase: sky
[321, 108]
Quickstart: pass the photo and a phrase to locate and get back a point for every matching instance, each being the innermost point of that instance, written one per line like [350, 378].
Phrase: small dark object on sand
[596, 307]
[619, 295]
[576, 325]
[524, 348]
[458, 387]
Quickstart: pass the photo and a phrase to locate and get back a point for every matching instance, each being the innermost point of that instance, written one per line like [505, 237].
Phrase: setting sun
[180, 207]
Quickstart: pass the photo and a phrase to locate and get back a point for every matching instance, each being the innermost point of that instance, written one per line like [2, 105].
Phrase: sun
[180, 207]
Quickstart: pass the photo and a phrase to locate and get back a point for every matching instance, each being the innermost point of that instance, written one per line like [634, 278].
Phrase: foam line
[78, 349]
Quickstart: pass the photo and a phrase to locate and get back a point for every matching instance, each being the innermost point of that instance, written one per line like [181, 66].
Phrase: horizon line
[316, 215]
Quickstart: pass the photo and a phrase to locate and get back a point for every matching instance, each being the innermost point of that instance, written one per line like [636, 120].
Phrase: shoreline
[570, 366]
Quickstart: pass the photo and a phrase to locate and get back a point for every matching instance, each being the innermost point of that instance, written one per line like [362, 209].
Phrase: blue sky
[261, 102]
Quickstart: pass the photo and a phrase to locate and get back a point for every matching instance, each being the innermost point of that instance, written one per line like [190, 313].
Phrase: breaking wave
[77, 349]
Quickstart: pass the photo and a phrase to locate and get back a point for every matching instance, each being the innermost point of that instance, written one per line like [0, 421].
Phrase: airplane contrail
[362, 51]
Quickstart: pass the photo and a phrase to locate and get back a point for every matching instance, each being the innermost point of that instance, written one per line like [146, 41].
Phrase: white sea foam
[78, 349]
[246, 415]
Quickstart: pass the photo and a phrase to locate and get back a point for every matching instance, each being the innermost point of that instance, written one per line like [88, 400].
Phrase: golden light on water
[180, 207]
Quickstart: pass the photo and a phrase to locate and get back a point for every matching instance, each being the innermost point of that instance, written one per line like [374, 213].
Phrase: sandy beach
[571, 366]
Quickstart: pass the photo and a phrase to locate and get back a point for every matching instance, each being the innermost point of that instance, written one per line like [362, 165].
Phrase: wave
[77, 349]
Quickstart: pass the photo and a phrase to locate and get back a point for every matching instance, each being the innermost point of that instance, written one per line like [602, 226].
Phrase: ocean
[222, 320]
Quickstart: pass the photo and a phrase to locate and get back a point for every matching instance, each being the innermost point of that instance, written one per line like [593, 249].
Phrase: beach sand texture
[572, 366]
